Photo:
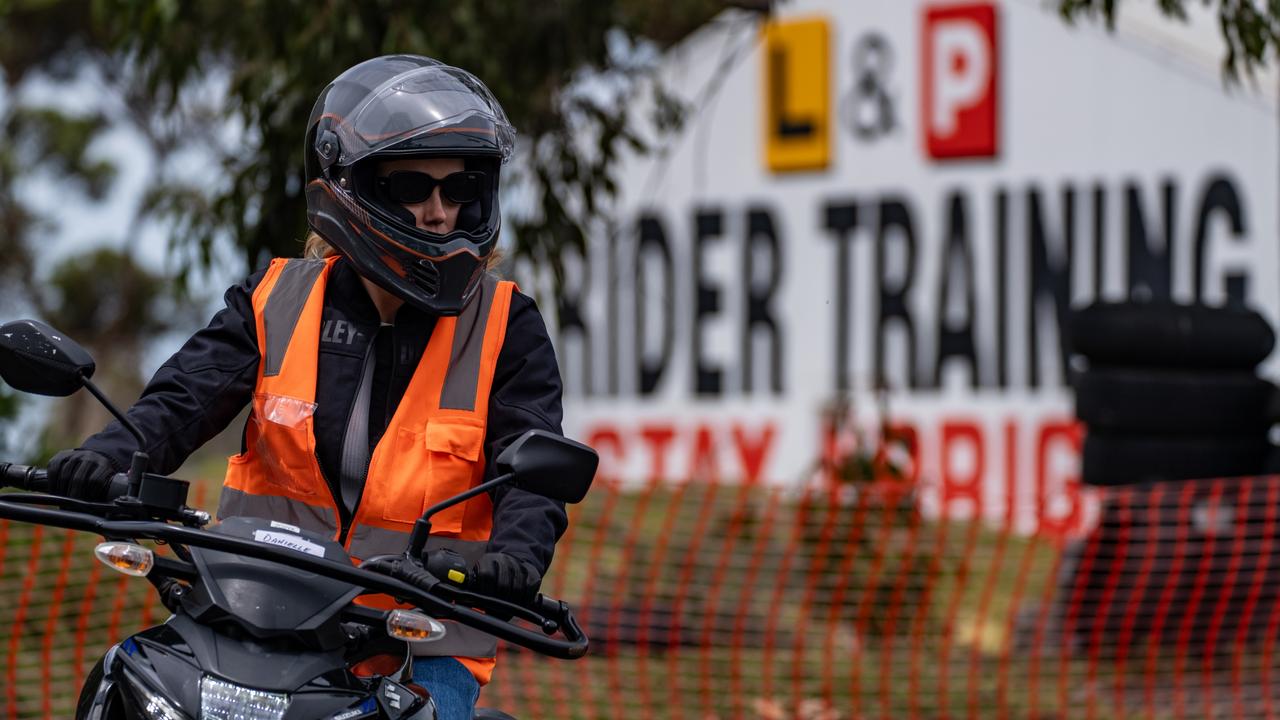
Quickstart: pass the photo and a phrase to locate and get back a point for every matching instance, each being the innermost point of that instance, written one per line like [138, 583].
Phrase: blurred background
[926, 345]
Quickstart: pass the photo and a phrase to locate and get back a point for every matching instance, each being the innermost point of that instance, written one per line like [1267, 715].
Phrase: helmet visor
[410, 108]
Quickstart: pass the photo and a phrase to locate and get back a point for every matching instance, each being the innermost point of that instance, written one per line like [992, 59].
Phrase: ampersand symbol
[868, 108]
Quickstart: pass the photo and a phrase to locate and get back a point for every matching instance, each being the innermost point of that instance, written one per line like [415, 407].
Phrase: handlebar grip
[24, 477]
[119, 486]
[35, 479]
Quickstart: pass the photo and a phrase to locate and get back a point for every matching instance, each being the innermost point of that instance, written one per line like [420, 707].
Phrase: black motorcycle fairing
[270, 600]
[139, 667]
[272, 665]
[98, 695]
[170, 660]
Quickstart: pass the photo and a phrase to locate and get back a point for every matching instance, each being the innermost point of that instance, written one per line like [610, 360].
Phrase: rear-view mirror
[550, 465]
[37, 359]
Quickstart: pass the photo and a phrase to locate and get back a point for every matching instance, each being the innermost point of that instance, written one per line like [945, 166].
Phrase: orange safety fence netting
[728, 601]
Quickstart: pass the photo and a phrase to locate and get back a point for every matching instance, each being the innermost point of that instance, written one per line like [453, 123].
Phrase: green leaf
[162, 52]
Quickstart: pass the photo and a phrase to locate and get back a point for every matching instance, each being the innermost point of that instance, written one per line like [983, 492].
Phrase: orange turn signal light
[126, 558]
[413, 626]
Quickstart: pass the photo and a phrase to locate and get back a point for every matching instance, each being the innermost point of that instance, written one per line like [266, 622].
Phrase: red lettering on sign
[1066, 488]
[960, 72]
[658, 438]
[959, 483]
[703, 465]
[1031, 483]
[753, 452]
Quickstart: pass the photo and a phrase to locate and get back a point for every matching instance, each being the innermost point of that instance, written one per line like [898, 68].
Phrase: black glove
[81, 474]
[507, 577]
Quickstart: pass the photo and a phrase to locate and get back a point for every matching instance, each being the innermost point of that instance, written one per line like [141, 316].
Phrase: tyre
[1171, 401]
[1171, 336]
[1123, 459]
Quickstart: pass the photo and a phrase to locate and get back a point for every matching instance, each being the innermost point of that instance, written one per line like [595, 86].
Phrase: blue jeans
[451, 685]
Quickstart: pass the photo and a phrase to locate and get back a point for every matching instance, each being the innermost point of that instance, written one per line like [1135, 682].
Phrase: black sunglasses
[408, 187]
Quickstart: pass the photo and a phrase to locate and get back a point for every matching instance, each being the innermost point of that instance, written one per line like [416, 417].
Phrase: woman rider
[384, 367]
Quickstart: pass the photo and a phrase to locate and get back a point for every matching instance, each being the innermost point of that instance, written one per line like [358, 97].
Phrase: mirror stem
[138, 465]
[111, 408]
[422, 528]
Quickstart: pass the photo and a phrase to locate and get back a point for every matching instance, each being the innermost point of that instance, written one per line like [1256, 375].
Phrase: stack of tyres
[1169, 394]
[1170, 391]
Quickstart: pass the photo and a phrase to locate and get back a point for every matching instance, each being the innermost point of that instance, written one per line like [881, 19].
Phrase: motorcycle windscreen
[266, 598]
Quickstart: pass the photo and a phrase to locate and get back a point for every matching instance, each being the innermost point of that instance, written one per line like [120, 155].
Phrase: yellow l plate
[797, 95]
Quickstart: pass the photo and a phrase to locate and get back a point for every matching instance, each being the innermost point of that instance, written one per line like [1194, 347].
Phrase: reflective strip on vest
[235, 503]
[284, 305]
[459, 640]
[459, 391]
[368, 541]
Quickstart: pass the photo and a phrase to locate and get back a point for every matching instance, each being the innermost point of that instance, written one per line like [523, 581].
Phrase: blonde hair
[317, 248]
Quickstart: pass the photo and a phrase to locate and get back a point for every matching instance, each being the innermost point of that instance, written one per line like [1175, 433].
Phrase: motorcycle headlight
[153, 705]
[226, 701]
[157, 708]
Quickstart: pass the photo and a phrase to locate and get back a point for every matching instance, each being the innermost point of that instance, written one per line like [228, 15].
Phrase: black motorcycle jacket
[211, 379]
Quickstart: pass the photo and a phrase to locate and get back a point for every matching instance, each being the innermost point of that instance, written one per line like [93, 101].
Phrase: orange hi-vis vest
[432, 449]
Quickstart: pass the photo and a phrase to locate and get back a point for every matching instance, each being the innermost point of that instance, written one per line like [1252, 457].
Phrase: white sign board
[990, 167]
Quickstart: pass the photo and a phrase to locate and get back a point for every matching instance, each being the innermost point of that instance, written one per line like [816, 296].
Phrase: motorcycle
[264, 622]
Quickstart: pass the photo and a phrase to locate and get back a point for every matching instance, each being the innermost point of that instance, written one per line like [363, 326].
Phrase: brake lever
[404, 568]
[494, 605]
[109, 510]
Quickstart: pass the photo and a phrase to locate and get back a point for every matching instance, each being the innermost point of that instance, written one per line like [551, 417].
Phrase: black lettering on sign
[762, 234]
[1049, 279]
[894, 215]
[841, 219]
[956, 341]
[708, 225]
[572, 323]
[1150, 269]
[784, 126]
[1219, 197]
[1237, 290]
[868, 107]
[653, 242]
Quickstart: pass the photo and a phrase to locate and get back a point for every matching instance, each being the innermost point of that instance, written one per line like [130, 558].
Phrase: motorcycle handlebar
[23, 477]
[560, 612]
[549, 614]
[36, 479]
